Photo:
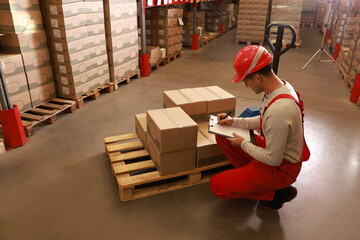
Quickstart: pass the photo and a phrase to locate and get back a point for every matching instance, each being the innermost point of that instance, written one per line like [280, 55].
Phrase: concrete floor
[59, 185]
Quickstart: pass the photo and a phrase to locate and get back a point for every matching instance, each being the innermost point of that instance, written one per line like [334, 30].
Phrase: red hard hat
[249, 60]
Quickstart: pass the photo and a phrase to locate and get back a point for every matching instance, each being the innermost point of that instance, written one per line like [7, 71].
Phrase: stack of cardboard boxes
[163, 29]
[341, 15]
[177, 137]
[189, 23]
[320, 13]
[77, 46]
[230, 10]
[252, 17]
[25, 57]
[287, 12]
[213, 21]
[122, 37]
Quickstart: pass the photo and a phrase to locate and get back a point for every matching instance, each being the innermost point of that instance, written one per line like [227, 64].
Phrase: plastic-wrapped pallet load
[77, 44]
[122, 37]
[308, 13]
[188, 26]
[287, 12]
[251, 21]
[22, 26]
[213, 21]
[163, 29]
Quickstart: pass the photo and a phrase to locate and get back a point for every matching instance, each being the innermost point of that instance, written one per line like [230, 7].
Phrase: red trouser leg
[251, 179]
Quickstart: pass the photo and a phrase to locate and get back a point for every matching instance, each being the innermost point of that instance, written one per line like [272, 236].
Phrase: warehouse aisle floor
[59, 185]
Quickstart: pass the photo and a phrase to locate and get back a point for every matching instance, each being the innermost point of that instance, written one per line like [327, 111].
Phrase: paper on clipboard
[226, 130]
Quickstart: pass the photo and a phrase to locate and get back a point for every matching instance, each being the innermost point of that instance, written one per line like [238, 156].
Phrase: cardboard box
[36, 59]
[171, 129]
[100, 60]
[22, 100]
[39, 77]
[189, 100]
[140, 127]
[61, 35]
[72, 58]
[117, 43]
[75, 69]
[207, 151]
[123, 56]
[154, 54]
[167, 23]
[41, 94]
[219, 101]
[95, 18]
[25, 42]
[119, 72]
[66, 23]
[170, 51]
[172, 162]
[11, 64]
[61, 1]
[16, 84]
[19, 5]
[97, 51]
[168, 41]
[94, 7]
[69, 47]
[64, 10]
[120, 10]
[164, 13]
[96, 29]
[120, 27]
[97, 40]
[20, 22]
[170, 32]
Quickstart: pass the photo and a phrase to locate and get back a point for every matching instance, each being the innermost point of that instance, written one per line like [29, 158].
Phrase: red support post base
[355, 93]
[336, 51]
[12, 128]
[195, 42]
[144, 65]
[221, 28]
[327, 36]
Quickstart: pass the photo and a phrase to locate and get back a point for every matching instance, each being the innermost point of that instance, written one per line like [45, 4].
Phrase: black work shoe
[281, 196]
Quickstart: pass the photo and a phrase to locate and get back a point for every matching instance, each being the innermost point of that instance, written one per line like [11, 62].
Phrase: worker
[265, 170]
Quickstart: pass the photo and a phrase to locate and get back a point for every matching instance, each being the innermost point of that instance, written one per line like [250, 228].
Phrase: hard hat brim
[237, 79]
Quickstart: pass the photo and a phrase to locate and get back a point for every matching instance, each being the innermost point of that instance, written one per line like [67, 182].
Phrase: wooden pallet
[157, 65]
[261, 43]
[137, 176]
[2, 146]
[45, 112]
[171, 58]
[126, 79]
[306, 24]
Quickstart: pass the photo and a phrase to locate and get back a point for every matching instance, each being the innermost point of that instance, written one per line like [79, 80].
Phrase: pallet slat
[118, 157]
[43, 111]
[124, 146]
[120, 138]
[121, 168]
[31, 116]
[53, 106]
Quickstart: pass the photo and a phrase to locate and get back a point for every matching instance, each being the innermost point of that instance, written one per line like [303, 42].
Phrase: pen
[225, 116]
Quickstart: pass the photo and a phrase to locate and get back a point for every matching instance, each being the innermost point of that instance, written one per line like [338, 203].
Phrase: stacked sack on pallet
[25, 57]
[77, 43]
[189, 23]
[308, 13]
[163, 29]
[251, 22]
[122, 38]
[177, 136]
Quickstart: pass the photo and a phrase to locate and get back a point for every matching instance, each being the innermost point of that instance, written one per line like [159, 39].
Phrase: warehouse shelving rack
[144, 56]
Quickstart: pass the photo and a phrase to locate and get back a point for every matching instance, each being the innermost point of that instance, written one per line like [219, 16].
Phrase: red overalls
[252, 179]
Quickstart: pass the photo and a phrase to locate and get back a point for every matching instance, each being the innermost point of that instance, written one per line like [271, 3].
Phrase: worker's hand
[236, 140]
[226, 121]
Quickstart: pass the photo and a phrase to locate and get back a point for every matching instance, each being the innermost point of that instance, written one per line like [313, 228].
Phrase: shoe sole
[269, 205]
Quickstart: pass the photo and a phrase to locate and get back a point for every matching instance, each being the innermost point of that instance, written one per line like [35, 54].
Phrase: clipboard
[227, 131]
